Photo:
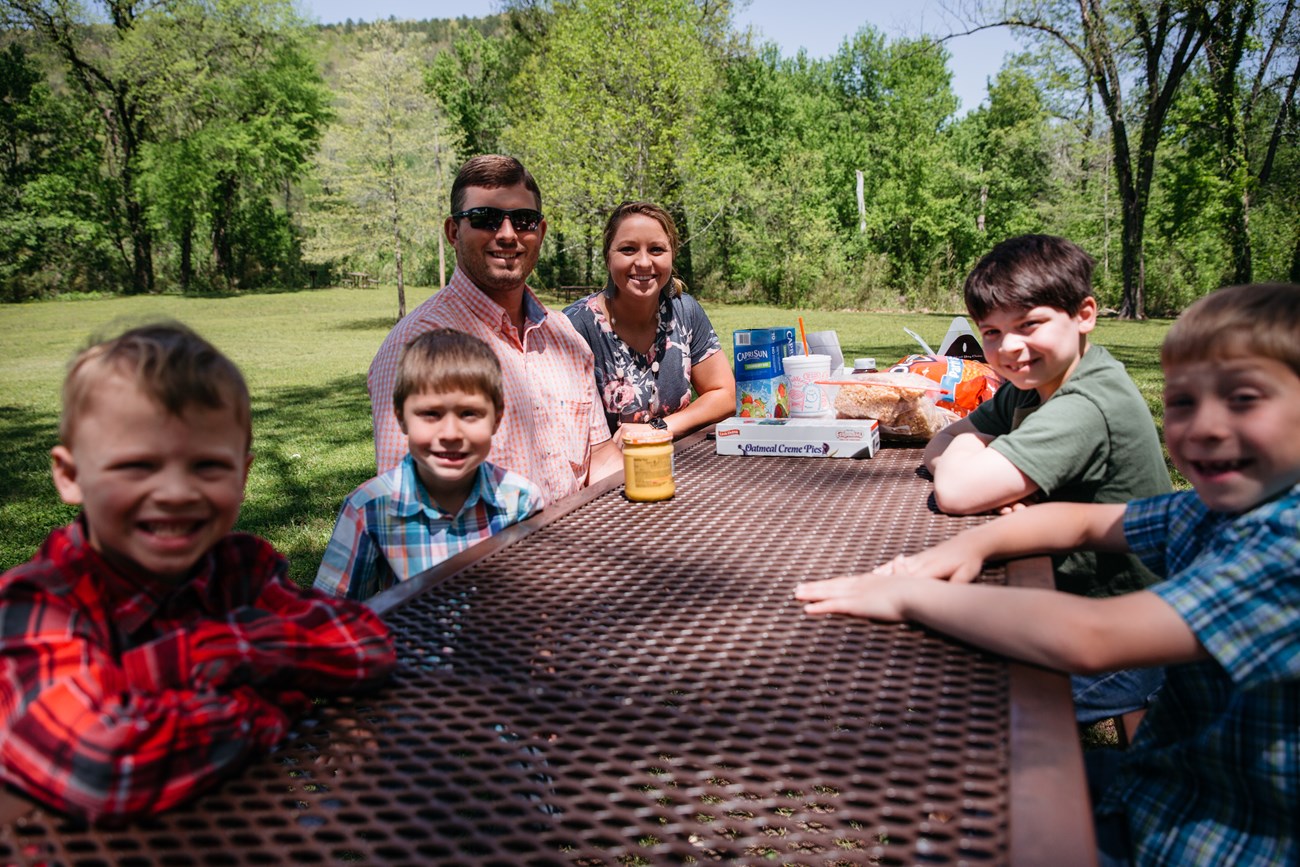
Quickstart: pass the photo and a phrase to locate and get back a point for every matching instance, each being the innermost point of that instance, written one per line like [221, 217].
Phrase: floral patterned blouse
[636, 387]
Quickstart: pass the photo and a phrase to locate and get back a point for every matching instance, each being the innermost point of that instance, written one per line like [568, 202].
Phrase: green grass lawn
[305, 356]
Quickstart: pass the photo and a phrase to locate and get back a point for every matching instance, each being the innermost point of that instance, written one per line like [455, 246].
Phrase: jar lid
[864, 362]
[649, 436]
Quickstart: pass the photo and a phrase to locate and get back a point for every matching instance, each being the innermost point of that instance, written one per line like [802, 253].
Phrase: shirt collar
[492, 313]
[132, 597]
[413, 498]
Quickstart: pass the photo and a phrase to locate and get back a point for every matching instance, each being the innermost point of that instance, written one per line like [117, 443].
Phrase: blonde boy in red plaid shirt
[146, 650]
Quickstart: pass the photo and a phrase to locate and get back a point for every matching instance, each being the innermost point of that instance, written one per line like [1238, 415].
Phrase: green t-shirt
[1093, 441]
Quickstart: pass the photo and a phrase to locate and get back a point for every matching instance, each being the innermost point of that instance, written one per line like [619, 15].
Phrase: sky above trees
[819, 27]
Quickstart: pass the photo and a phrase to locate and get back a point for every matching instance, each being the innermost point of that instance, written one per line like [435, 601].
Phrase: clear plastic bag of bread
[903, 403]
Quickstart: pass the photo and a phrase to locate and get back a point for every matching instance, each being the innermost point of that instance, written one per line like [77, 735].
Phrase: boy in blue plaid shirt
[1213, 774]
[444, 496]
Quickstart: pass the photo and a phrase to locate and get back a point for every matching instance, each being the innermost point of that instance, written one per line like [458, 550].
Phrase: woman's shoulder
[584, 308]
[686, 306]
[690, 313]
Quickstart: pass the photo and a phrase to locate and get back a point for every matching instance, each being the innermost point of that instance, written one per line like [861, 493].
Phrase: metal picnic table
[619, 683]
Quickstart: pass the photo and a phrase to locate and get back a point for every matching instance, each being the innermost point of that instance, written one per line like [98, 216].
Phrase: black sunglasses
[523, 219]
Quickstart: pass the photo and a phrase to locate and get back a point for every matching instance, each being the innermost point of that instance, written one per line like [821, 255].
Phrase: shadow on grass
[313, 446]
[213, 292]
[373, 323]
[29, 505]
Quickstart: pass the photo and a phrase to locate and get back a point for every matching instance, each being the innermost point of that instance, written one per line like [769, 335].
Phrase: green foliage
[239, 108]
[203, 115]
[384, 167]
[1009, 151]
[471, 82]
[615, 93]
[53, 233]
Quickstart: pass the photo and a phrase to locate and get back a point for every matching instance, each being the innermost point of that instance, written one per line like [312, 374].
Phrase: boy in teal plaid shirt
[444, 496]
[1213, 774]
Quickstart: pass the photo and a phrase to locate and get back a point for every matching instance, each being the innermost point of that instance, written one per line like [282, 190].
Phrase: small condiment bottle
[648, 466]
[864, 365]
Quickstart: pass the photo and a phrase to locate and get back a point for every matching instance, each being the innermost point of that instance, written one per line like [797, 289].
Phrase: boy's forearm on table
[1043, 627]
[137, 753]
[314, 642]
[1050, 528]
[970, 477]
[1058, 630]
[937, 445]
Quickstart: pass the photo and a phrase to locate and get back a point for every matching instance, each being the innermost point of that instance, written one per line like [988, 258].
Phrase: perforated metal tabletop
[618, 683]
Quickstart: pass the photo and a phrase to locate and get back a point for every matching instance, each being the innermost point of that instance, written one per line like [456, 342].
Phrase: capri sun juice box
[761, 385]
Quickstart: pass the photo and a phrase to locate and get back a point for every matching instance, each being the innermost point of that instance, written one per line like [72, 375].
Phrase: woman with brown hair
[653, 344]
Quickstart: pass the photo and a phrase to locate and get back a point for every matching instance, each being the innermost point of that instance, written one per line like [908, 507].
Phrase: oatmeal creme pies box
[799, 437]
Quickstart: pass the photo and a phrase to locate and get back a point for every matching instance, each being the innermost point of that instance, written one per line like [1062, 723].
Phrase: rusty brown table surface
[626, 683]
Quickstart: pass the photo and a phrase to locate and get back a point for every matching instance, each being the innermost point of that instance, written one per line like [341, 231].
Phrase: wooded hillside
[217, 145]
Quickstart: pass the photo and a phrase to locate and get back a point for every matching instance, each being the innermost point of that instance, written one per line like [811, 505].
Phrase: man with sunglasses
[553, 430]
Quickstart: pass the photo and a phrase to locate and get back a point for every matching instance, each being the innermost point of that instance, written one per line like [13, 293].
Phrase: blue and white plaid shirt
[1213, 776]
[390, 529]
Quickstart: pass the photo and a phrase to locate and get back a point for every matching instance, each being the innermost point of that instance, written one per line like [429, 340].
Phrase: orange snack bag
[965, 382]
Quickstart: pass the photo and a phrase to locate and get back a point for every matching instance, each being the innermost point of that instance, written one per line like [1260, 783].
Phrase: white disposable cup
[807, 398]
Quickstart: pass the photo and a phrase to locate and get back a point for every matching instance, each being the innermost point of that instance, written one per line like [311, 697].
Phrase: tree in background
[238, 109]
[93, 62]
[54, 234]
[384, 165]
[894, 105]
[471, 82]
[607, 109]
[1261, 34]
[1135, 55]
[766, 125]
[1005, 147]
[1176, 119]
[206, 110]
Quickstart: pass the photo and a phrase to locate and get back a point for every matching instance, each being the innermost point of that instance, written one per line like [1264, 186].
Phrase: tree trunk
[1225, 48]
[442, 259]
[136, 223]
[1132, 226]
[1165, 37]
[401, 281]
[187, 254]
[222, 253]
[684, 263]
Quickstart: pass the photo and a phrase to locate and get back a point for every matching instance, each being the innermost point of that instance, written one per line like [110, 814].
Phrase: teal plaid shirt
[1213, 776]
[389, 529]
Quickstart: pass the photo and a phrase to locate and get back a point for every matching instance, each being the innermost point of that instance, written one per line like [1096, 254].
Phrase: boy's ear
[496, 419]
[401, 419]
[1087, 315]
[63, 467]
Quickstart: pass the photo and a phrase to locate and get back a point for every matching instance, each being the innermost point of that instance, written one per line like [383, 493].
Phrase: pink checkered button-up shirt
[552, 416]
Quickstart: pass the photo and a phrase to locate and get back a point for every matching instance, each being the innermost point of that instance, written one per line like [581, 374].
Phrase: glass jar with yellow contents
[648, 465]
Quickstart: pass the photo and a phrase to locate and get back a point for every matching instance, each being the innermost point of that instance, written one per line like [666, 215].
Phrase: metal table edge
[1047, 779]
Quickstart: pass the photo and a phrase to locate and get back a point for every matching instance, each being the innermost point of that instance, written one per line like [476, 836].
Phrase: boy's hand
[953, 560]
[875, 595]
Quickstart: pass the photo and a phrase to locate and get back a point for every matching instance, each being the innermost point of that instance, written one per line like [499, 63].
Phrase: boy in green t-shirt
[1068, 425]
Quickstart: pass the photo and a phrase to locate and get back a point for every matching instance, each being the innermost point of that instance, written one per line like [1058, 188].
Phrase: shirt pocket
[577, 419]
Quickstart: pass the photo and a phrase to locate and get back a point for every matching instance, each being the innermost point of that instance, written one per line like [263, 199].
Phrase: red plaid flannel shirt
[122, 696]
